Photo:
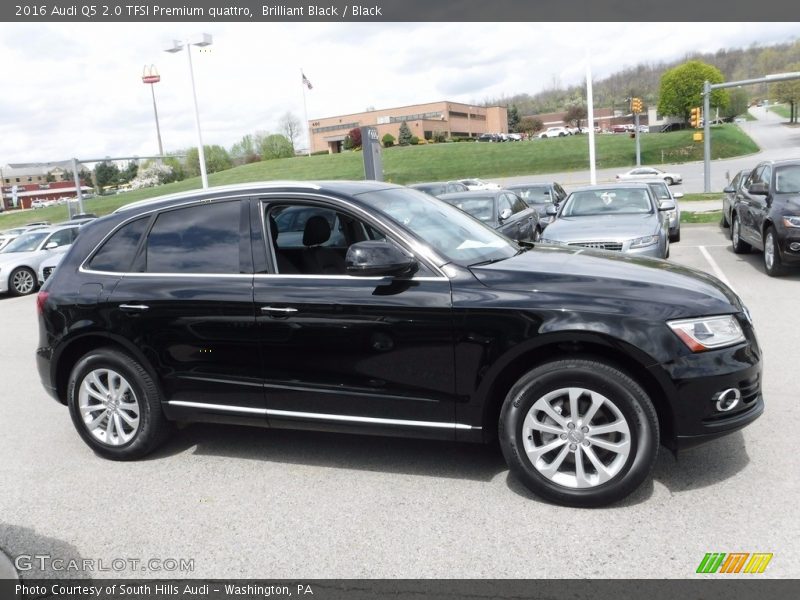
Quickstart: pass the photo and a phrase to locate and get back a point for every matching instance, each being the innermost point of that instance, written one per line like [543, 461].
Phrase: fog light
[794, 246]
[728, 399]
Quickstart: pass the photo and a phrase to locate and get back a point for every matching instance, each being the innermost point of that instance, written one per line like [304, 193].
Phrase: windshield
[26, 243]
[454, 234]
[607, 201]
[787, 179]
[480, 208]
[534, 194]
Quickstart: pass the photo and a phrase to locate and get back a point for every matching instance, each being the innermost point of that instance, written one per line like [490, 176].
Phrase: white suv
[554, 132]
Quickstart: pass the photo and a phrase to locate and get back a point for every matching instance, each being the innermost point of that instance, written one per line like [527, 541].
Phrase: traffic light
[695, 117]
[636, 105]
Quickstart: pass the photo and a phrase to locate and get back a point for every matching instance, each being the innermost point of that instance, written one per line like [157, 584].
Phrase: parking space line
[715, 267]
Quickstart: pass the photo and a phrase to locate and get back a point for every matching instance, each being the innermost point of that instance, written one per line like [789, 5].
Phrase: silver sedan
[620, 218]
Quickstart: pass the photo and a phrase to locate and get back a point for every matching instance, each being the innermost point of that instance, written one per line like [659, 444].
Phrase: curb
[7, 570]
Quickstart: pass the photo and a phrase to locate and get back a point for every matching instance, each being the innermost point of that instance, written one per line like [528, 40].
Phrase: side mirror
[551, 210]
[729, 190]
[677, 195]
[759, 189]
[51, 245]
[505, 213]
[378, 257]
[666, 205]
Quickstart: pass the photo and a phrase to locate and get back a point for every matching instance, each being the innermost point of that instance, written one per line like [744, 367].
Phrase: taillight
[41, 298]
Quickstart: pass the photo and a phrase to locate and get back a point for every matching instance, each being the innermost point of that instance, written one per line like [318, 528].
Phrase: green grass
[698, 197]
[780, 109]
[713, 216]
[433, 162]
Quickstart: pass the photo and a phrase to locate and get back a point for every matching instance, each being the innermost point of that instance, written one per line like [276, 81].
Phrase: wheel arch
[628, 359]
[80, 346]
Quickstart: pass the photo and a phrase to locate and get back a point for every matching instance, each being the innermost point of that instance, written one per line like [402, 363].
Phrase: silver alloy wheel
[576, 437]
[735, 232]
[108, 407]
[22, 281]
[769, 251]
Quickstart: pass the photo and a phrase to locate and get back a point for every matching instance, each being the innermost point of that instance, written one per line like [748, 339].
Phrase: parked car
[766, 215]
[514, 137]
[729, 195]
[650, 173]
[83, 216]
[662, 192]
[436, 188]
[489, 137]
[79, 221]
[48, 265]
[621, 218]
[581, 362]
[551, 132]
[9, 235]
[20, 260]
[38, 204]
[539, 196]
[479, 184]
[501, 210]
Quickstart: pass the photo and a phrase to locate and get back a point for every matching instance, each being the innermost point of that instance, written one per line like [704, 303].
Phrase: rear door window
[116, 255]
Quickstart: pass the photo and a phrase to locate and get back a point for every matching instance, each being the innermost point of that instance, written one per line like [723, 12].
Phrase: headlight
[708, 333]
[791, 221]
[643, 242]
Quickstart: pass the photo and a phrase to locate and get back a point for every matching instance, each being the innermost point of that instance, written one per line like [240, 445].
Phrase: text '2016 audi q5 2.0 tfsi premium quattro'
[372, 308]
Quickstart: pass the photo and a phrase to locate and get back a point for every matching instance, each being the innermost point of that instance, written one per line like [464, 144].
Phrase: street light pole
[150, 76]
[203, 39]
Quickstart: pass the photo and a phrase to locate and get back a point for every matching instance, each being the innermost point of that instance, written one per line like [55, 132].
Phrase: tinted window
[787, 179]
[503, 204]
[198, 239]
[63, 237]
[519, 205]
[118, 251]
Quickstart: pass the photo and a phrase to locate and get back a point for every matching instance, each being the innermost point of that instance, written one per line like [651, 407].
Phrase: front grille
[615, 246]
[47, 271]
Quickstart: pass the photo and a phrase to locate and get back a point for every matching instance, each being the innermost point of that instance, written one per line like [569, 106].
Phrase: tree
[530, 125]
[106, 173]
[217, 159]
[129, 172]
[513, 119]
[682, 87]
[789, 92]
[404, 138]
[291, 128]
[739, 100]
[388, 140]
[276, 146]
[354, 135]
[245, 151]
[575, 114]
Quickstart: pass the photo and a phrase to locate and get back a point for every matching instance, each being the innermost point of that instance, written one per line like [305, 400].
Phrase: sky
[75, 89]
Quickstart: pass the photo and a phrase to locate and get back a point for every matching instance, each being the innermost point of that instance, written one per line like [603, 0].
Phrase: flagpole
[305, 109]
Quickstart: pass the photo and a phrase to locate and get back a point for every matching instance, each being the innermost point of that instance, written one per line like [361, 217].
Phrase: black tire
[776, 268]
[668, 180]
[724, 222]
[595, 377]
[675, 237]
[153, 427]
[22, 281]
[739, 246]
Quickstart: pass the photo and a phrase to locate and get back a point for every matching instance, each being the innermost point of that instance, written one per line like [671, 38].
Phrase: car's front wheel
[772, 256]
[115, 405]
[668, 180]
[579, 432]
[22, 281]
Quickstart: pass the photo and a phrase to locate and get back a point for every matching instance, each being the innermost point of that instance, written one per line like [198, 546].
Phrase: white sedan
[20, 260]
[650, 173]
[479, 185]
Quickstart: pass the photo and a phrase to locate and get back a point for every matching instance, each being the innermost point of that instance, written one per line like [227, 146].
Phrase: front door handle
[134, 307]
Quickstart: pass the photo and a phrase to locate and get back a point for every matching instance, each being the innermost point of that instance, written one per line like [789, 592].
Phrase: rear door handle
[133, 307]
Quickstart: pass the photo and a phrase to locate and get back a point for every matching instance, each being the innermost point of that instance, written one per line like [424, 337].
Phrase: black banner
[608, 11]
[715, 588]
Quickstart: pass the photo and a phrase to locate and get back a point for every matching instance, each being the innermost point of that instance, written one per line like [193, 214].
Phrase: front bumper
[786, 236]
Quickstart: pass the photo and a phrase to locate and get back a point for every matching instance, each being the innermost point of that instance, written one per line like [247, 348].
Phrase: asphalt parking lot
[242, 502]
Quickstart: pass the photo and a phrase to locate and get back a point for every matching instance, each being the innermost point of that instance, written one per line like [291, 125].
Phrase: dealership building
[451, 118]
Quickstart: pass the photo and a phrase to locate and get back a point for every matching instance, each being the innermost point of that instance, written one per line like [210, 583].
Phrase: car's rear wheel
[772, 256]
[579, 432]
[668, 180]
[739, 246]
[22, 281]
[115, 405]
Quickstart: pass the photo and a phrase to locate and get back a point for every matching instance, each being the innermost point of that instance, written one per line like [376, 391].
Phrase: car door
[187, 304]
[751, 208]
[510, 226]
[344, 352]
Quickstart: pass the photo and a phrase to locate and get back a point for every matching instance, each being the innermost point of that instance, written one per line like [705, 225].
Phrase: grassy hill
[434, 162]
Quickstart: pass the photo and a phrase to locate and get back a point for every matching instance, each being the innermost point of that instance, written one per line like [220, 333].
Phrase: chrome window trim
[322, 416]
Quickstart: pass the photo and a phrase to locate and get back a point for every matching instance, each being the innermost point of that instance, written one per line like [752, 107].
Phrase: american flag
[306, 82]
